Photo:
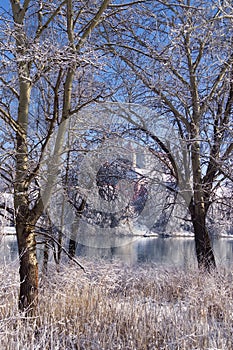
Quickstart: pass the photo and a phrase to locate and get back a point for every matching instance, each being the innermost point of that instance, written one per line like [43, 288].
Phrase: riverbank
[114, 306]
[139, 232]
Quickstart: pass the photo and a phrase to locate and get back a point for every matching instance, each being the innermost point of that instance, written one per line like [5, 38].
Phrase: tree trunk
[204, 251]
[75, 227]
[28, 266]
[197, 207]
[25, 223]
[28, 269]
[72, 247]
[45, 258]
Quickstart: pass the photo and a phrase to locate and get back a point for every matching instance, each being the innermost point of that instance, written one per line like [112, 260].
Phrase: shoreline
[145, 235]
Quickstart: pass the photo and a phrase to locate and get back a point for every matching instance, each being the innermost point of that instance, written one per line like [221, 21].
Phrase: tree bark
[204, 251]
[28, 266]
[28, 269]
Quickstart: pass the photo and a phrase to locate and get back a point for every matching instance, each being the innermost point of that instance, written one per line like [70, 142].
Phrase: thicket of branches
[59, 57]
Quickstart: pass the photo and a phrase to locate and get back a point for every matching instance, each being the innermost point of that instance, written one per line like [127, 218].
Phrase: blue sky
[5, 3]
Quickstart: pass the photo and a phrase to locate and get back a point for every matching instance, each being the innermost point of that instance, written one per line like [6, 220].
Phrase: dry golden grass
[113, 306]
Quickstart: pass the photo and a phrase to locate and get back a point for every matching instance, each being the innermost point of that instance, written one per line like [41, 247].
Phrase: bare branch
[92, 24]
[63, 249]
[49, 20]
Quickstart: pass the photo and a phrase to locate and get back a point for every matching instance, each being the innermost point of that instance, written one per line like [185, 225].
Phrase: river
[172, 251]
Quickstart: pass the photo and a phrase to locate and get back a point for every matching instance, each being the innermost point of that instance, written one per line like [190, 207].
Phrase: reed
[114, 306]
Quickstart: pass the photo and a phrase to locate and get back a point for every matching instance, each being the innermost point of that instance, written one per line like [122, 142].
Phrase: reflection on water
[178, 252]
[168, 251]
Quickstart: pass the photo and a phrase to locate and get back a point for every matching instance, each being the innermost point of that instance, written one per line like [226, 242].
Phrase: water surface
[178, 252]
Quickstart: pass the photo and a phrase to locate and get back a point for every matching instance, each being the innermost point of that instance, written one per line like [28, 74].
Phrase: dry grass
[113, 306]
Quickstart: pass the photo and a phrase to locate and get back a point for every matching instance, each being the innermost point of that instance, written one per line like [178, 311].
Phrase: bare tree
[47, 73]
[177, 59]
